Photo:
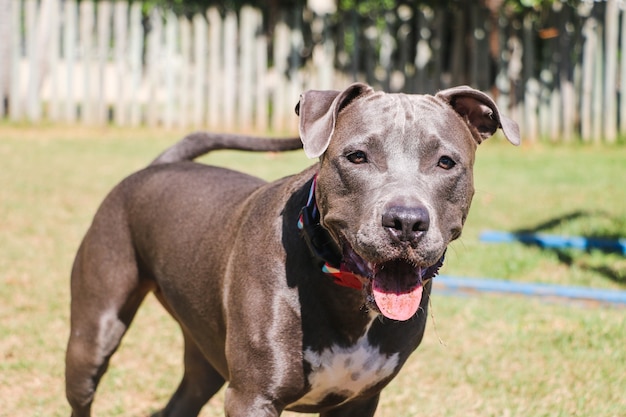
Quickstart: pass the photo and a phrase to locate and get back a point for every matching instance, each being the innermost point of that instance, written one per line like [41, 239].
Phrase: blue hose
[556, 241]
[459, 284]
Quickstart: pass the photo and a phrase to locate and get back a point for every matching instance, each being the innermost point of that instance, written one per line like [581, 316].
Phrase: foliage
[189, 7]
[363, 7]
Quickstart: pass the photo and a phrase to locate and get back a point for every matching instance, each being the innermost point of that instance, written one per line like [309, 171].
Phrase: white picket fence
[210, 71]
[562, 77]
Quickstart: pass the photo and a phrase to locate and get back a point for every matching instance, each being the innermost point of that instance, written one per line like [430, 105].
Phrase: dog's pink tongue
[398, 306]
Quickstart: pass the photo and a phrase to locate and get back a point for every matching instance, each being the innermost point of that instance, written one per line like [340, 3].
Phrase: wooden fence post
[387, 47]
[41, 17]
[355, 31]
[136, 93]
[457, 54]
[565, 84]
[598, 85]
[502, 80]
[424, 55]
[556, 113]
[6, 33]
[185, 80]
[229, 80]
[247, 32]
[15, 90]
[324, 55]
[295, 79]
[70, 14]
[200, 71]
[515, 76]
[214, 107]
[153, 67]
[121, 109]
[610, 78]
[622, 95]
[440, 26]
[53, 55]
[34, 60]
[103, 42]
[281, 57]
[586, 94]
[86, 42]
[479, 55]
[531, 84]
[171, 69]
[403, 72]
[261, 90]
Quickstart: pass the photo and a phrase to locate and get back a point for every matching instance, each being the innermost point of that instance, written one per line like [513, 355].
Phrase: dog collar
[323, 250]
[322, 246]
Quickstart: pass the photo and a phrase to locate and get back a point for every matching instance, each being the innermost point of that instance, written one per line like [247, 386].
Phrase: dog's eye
[446, 162]
[357, 157]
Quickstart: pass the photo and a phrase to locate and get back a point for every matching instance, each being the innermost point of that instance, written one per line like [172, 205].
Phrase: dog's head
[395, 181]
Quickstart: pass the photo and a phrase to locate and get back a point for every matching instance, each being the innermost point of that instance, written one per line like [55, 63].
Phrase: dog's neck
[321, 244]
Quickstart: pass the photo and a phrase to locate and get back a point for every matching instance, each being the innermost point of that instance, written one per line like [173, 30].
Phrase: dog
[305, 294]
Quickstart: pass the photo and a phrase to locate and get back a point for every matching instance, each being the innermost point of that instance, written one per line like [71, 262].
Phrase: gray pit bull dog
[306, 294]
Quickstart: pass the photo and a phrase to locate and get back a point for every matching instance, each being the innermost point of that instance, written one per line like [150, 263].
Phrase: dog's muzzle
[394, 288]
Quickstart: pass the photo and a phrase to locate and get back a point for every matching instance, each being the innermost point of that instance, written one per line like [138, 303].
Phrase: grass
[483, 355]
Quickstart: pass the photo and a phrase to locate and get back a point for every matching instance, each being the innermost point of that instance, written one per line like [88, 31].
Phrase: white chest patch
[346, 371]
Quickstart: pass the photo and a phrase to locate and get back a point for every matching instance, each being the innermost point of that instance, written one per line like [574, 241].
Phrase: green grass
[483, 355]
[560, 190]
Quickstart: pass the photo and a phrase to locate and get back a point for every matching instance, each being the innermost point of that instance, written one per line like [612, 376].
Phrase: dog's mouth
[394, 287]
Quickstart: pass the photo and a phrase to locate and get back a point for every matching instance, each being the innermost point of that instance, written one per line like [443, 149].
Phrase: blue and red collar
[322, 245]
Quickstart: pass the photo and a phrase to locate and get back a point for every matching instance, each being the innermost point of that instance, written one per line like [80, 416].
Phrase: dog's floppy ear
[481, 112]
[318, 110]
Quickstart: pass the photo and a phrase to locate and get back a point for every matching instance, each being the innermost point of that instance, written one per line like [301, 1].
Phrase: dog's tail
[199, 143]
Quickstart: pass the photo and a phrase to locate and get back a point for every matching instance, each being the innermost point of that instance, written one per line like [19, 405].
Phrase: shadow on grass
[596, 239]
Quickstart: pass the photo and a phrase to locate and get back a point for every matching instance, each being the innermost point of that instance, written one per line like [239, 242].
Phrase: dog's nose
[406, 224]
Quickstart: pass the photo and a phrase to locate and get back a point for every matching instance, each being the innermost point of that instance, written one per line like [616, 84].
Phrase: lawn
[483, 355]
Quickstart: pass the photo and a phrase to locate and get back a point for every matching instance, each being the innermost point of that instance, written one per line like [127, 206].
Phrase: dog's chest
[339, 374]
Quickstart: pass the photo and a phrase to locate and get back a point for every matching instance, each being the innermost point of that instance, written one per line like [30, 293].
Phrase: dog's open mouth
[396, 286]
[397, 289]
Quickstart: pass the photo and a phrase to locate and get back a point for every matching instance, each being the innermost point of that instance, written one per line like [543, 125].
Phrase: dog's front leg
[249, 403]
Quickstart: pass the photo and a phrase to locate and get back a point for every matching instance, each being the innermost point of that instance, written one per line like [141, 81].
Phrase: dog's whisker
[432, 317]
